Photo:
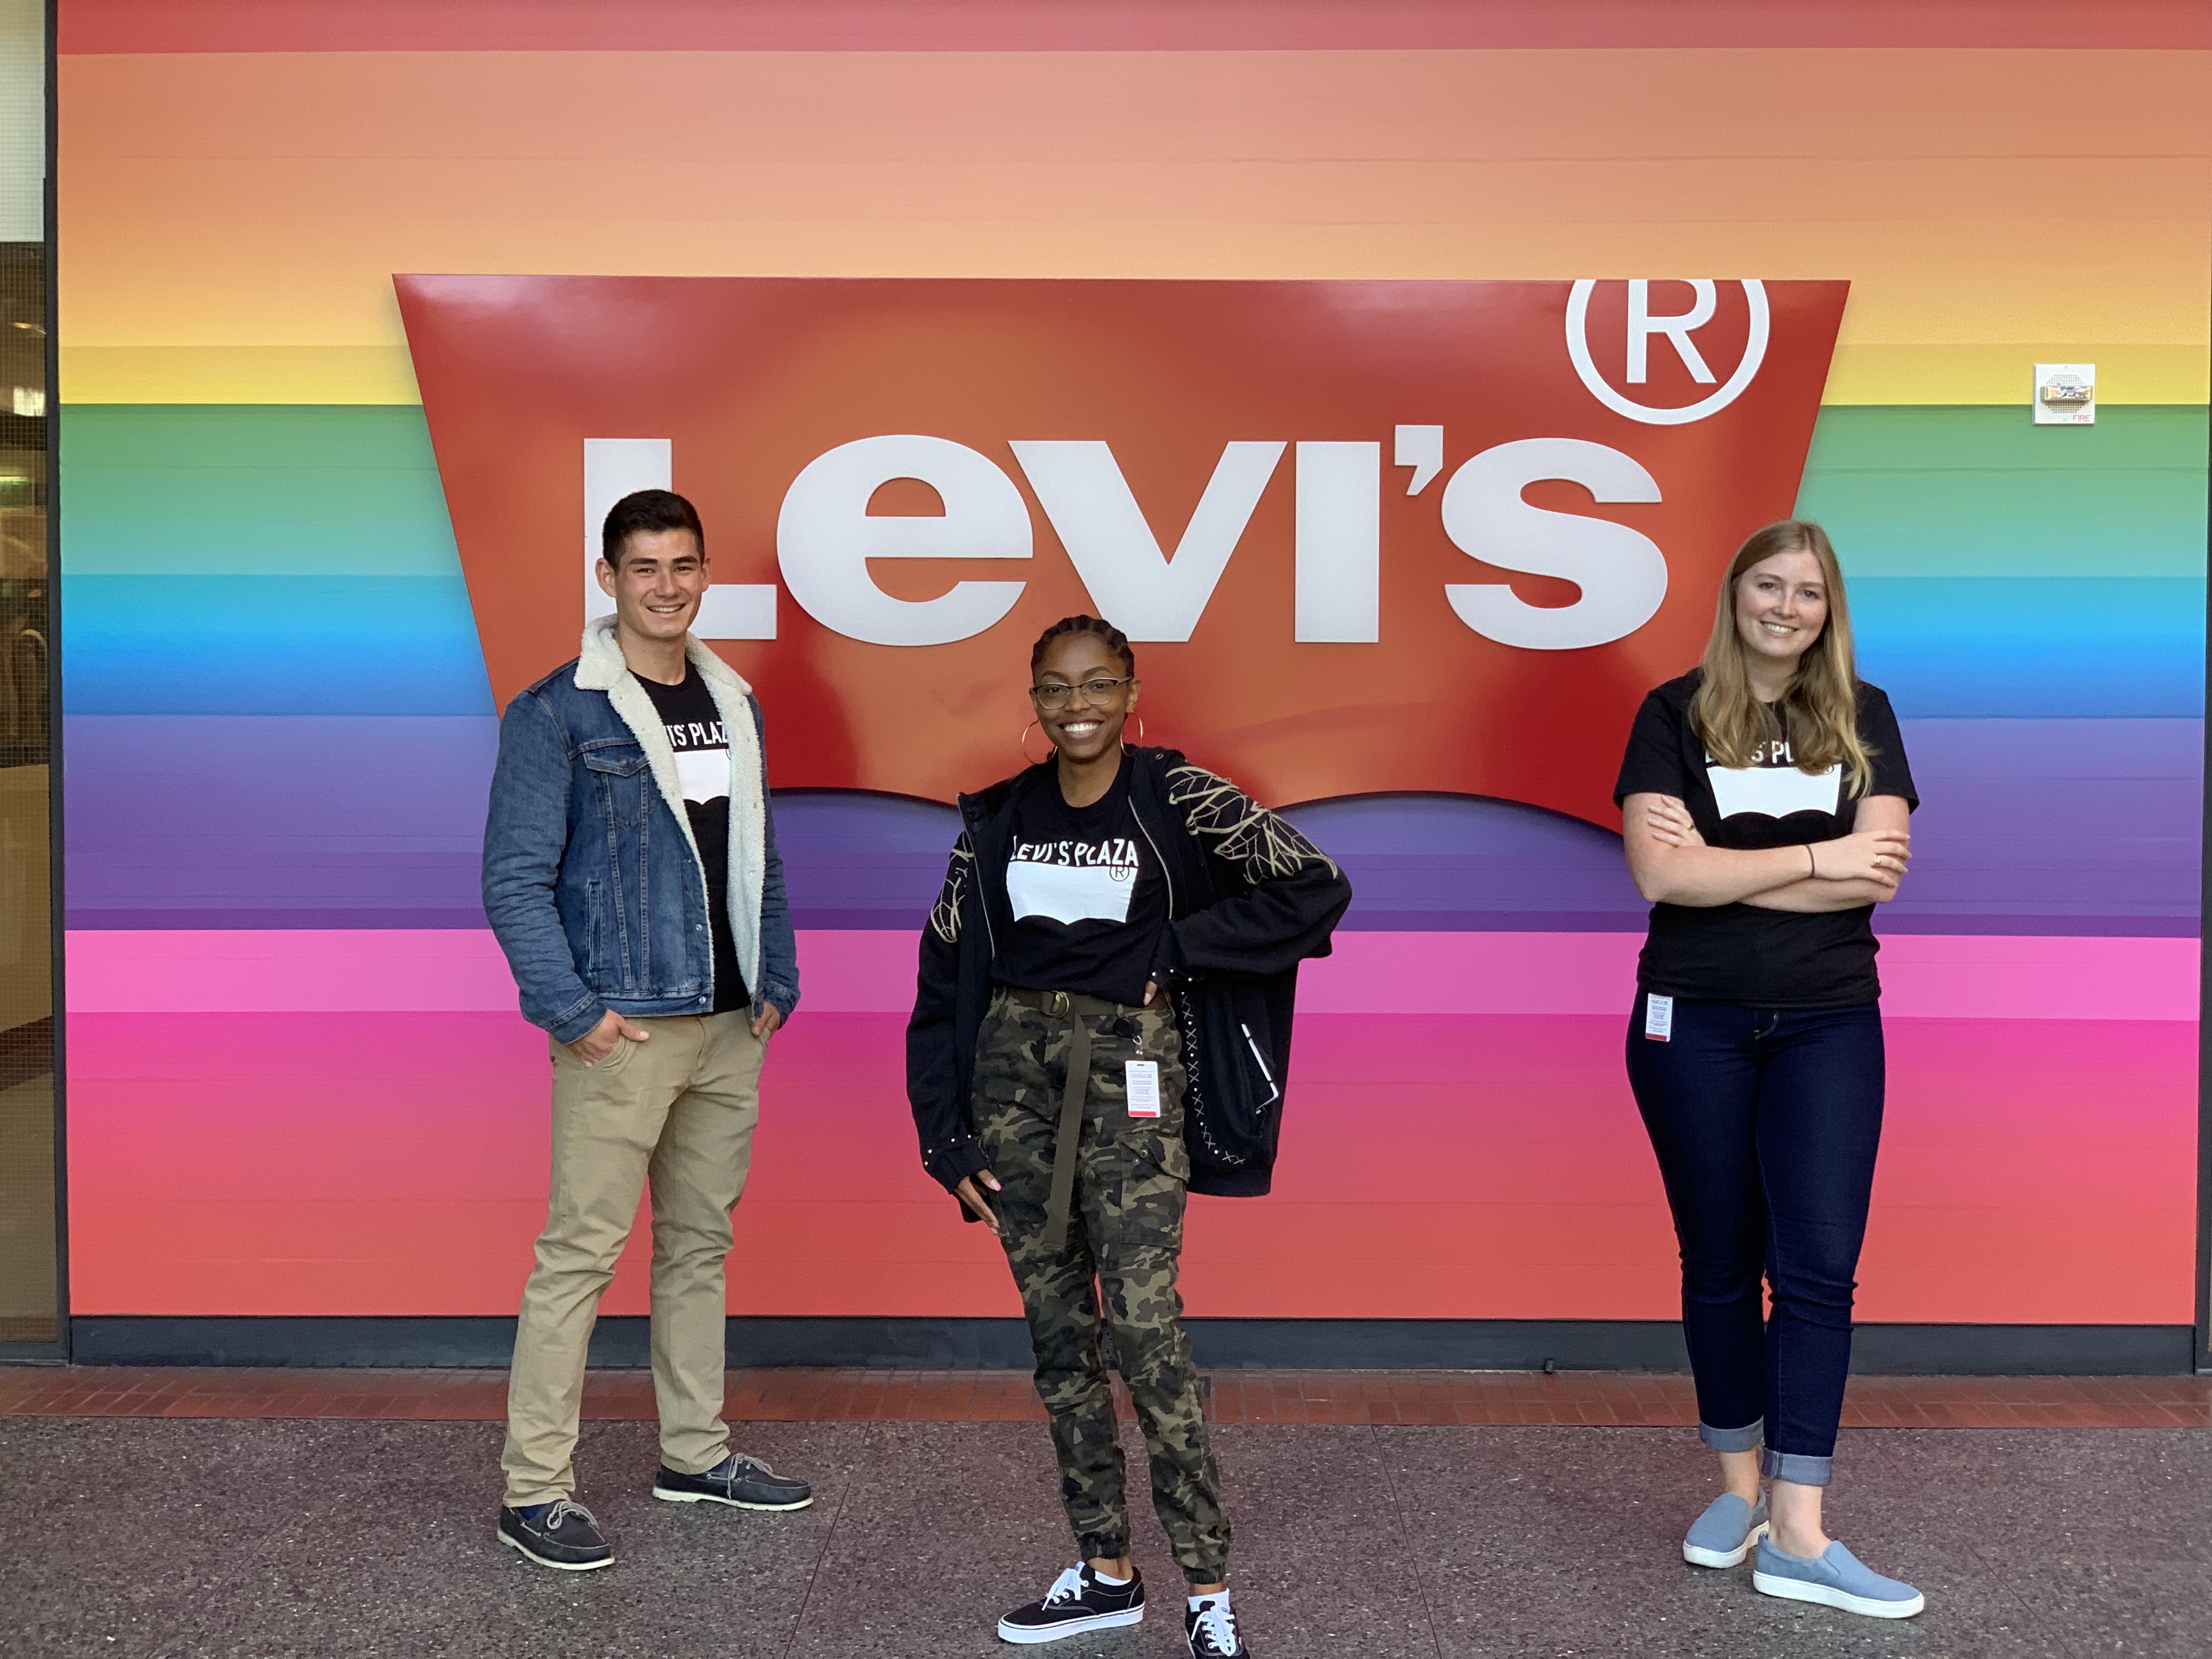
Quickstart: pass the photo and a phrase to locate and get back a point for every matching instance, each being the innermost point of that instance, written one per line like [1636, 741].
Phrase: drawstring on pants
[1078, 1011]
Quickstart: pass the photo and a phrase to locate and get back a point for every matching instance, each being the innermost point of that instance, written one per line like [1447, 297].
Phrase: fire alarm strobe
[2065, 394]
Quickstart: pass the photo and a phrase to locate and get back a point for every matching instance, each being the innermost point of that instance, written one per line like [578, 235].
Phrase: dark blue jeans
[1766, 1122]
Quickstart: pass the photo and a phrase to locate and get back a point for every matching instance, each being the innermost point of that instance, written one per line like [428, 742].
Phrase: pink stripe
[379, 970]
[307, 970]
[1924, 976]
[1474, 974]
[1987, 977]
[176, 26]
[1939, 976]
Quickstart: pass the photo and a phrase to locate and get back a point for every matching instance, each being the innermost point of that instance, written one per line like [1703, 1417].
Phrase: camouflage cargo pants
[1125, 1238]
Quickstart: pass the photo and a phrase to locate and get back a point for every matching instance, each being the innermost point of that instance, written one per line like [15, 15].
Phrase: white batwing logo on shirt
[1070, 893]
[1774, 791]
[704, 773]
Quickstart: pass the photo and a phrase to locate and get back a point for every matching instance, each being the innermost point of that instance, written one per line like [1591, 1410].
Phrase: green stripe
[1984, 492]
[199, 490]
[336, 490]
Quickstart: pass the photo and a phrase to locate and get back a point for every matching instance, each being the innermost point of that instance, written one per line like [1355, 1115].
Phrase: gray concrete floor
[262, 1539]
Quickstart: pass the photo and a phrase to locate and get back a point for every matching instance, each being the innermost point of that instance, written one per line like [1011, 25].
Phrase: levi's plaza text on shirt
[1087, 894]
[694, 725]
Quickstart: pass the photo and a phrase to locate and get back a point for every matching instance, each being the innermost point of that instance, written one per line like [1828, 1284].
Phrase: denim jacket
[592, 880]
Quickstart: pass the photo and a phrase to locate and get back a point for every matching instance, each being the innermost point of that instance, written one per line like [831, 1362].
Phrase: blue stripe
[2042, 648]
[1944, 647]
[271, 645]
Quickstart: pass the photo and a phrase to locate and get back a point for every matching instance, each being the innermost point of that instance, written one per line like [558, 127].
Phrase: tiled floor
[799, 1396]
[145, 1539]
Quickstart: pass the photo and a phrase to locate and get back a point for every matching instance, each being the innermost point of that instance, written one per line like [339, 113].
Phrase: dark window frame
[58, 1351]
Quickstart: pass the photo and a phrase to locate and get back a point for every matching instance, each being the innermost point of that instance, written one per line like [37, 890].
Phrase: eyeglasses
[1094, 691]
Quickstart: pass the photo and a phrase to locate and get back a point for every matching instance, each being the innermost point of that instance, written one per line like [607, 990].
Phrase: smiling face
[658, 588]
[1781, 606]
[1080, 729]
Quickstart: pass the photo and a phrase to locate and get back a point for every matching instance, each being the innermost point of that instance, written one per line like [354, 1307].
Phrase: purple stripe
[175, 820]
[2060, 827]
[2054, 826]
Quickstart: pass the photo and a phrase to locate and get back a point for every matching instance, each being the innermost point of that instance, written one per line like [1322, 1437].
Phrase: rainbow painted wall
[297, 1083]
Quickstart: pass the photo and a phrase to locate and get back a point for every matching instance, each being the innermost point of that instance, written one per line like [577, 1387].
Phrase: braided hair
[1112, 637]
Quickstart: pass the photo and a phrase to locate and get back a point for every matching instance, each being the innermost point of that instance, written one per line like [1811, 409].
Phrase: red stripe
[2034, 1171]
[179, 26]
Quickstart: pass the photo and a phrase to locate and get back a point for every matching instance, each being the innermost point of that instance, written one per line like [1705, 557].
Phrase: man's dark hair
[647, 511]
[1109, 636]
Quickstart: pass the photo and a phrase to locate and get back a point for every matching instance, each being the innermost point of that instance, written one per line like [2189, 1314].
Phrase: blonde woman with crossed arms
[1766, 807]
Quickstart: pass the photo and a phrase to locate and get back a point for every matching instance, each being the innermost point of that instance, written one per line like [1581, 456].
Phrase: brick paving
[801, 1394]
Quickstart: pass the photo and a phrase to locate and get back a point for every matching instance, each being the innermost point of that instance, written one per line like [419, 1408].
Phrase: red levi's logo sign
[1365, 536]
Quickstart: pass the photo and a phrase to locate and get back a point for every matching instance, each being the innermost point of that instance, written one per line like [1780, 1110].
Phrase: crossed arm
[1672, 865]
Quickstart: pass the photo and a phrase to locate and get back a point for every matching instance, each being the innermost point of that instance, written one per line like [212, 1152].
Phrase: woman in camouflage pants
[1106, 985]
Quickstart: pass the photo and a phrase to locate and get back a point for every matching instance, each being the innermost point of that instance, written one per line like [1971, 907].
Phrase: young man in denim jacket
[630, 874]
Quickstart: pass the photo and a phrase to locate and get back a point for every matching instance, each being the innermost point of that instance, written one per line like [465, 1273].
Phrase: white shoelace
[1216, 1623]
[561, 1509]
[1066, 1588]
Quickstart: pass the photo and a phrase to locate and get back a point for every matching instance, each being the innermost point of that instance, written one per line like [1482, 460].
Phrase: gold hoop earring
[1139, 719]
[1023, 742]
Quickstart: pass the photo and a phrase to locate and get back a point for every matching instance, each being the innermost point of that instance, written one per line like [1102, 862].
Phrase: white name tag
[1659, 1018]
[1142, 1079]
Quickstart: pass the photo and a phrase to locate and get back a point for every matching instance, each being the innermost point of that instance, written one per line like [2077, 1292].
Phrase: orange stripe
[1675, 199]
[148, 282]
[211, 201]
[1597, 106]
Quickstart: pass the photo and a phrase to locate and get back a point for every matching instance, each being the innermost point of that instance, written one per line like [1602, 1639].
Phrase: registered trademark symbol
[1677, 331]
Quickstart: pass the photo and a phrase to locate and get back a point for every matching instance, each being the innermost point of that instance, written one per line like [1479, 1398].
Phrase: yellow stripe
[238, 374]
[1995, 375]
[2002, 374]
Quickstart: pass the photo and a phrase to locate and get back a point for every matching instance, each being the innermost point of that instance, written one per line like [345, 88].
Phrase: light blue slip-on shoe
[1837, 1579]
[1724, 1533]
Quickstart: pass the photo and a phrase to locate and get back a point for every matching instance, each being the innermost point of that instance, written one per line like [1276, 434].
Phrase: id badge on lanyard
[1141, 1081]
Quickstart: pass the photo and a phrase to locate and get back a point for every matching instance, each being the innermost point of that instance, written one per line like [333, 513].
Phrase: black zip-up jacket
[1248, 898]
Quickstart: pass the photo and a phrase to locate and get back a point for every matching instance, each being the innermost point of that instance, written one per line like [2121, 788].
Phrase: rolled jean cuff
[1747, 1438]
[1797, 1466]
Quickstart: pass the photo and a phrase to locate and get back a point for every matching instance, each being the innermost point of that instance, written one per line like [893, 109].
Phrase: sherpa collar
[600, 664]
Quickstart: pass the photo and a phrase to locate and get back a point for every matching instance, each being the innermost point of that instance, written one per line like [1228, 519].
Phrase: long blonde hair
[1818, 714]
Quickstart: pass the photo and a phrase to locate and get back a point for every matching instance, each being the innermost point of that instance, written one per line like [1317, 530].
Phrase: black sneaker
[557, 1535]
[747, 1482]
[1212, 1632]
[1076, 1602]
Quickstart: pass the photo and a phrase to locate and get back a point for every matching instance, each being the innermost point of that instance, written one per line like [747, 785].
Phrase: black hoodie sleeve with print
[1280, 895]
[938, 1072]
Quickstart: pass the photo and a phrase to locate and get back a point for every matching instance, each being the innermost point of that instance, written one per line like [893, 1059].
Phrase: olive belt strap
[1078, 1011]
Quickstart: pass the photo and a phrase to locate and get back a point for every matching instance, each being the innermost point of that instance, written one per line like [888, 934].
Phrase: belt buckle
[1060, 1003]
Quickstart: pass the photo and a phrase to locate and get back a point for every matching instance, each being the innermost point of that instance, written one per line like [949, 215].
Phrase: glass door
[31, 1304]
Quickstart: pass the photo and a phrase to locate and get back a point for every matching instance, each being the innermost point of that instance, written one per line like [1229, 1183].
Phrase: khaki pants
[675, 1112]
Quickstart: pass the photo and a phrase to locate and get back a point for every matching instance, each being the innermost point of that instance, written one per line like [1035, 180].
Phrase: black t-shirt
[1088, 898]
[703, 767]
[1738, 952]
